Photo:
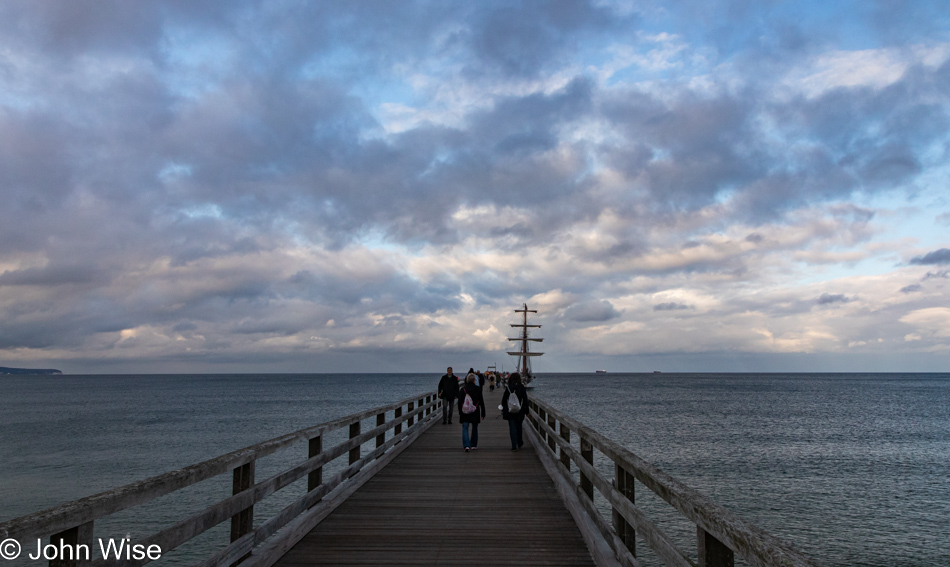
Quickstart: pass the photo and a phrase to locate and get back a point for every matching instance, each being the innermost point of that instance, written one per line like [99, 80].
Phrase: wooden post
[587, 452]
[428, 409]
[396, 414]
[355, 451]
[712, 552]
[70, 541]
[552, 423]
[242, 523]
[381, 438]
[409, 410]
[565, 458]
[315, 478]
[623, 481]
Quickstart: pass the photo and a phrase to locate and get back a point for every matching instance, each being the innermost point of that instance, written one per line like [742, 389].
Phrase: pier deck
[438, 505]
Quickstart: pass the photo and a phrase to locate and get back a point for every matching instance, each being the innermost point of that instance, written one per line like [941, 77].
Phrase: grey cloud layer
[159, 159]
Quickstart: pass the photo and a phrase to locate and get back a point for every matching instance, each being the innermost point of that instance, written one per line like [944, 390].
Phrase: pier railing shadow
[397, 425]
[720, 534]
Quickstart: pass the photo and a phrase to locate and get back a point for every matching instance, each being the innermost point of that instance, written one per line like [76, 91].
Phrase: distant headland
[5, 370]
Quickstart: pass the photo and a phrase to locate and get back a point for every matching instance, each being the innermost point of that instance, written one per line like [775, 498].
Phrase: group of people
[467, 395]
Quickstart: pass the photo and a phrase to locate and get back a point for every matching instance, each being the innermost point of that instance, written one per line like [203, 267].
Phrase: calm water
[853, 468]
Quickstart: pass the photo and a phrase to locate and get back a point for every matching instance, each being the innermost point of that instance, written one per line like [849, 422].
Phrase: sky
[282, 186]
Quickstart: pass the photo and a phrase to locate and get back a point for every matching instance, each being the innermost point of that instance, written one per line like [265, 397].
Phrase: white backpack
[514, 404]
[468, 406]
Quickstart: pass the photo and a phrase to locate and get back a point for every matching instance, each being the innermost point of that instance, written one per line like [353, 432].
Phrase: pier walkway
[435, 504]
[391, 485]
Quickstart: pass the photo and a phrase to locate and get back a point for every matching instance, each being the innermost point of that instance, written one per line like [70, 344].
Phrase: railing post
[623, 482]
[355, 451]
[552, 423]
[242, 523]
[712, 552]
[69, 542]
[381, 438]
[315, 478]
[565, 435]
[428, 409]
[587, 452]
[397, 413]
[411, 419]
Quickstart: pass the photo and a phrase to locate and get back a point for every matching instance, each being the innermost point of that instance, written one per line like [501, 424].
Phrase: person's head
[471, 371]
[470, 379]
[515, 378]
[449, 370]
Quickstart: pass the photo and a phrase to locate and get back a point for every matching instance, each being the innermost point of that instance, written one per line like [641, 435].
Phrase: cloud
[826, 298]
[937, 257]
[219, 181]
[524, 39]
[933, 321]
[591, 311]
[670, 306]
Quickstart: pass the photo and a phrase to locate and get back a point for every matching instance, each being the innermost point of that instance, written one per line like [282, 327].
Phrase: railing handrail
[747, 540]
[90, 508]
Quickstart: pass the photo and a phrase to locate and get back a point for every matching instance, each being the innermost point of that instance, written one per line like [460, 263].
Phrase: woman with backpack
[471, 404]
[514, 403]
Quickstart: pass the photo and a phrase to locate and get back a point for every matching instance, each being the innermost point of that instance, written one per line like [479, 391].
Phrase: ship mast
[524, 366]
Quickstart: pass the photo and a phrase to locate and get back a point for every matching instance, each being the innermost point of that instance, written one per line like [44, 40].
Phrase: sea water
[852, 468]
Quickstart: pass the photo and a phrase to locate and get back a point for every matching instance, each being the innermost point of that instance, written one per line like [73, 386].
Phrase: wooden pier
[409, 495]
[435, 504]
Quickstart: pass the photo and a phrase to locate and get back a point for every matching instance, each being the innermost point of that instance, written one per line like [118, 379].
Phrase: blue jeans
[473, 442]
[515, 429]
[447, 407]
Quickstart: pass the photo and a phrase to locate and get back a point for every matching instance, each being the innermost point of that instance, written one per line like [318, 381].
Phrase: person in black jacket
[515, 419]
[470, 390]
[448, 391]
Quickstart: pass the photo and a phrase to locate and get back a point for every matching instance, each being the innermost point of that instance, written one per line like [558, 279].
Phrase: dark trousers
[447, 407]
[515, 429]
[469, 441]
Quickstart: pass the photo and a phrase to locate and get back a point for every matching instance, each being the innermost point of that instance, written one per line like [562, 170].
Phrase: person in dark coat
[478, 379]
[515, 419]
[448, 391]
[466, 418]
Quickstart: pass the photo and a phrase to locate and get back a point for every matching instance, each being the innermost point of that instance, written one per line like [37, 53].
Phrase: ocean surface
[852, 468]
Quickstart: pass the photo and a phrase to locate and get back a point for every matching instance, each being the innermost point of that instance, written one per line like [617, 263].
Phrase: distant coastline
[33, 371]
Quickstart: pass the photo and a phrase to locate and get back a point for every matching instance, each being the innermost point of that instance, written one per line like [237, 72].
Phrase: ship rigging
[524, 354]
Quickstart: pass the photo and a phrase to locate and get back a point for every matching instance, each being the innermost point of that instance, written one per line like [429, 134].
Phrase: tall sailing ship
[524, 354]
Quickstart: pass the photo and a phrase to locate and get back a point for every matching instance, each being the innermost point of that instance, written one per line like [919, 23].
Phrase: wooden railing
[71, 524]
[721, 536]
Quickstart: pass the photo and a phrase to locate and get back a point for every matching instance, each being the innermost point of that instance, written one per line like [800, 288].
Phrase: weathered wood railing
[720, 534]
[71, 524]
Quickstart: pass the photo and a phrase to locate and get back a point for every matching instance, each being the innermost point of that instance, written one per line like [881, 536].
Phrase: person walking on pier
[472, 373]
[515, 396]
[471, 405]
[448, 391]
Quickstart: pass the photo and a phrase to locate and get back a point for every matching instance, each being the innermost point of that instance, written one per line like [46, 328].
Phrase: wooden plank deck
[438, 505]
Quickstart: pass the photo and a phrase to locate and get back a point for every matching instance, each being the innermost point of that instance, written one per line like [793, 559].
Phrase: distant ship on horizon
[4, 370]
